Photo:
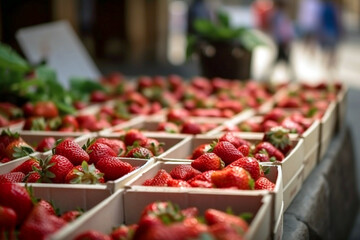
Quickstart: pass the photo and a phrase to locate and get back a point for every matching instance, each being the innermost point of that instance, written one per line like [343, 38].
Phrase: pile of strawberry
[10, 114]
[232, 162]
[164, 221]
[96, 162]
[23, 217]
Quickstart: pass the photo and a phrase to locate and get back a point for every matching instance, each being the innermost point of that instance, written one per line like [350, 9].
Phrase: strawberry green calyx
[88, 174]
[9, 133]
[168, 213]
[22, 151]
[279, 137]
[38, 124]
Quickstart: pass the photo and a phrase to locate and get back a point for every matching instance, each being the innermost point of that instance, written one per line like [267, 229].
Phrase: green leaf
[247, 216]
[223, 19]
[10, 60]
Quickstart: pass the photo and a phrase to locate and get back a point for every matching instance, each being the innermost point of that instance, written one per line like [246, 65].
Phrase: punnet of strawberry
[24, 217]
[165, 220]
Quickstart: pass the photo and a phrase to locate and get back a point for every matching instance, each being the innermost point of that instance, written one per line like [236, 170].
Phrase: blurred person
[282, 32]
[330, 31]
[308, 18]
[262, 10]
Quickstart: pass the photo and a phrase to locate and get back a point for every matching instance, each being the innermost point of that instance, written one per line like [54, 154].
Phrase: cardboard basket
[341, 107]
[127, 209]
[327, 129]
[293, 187]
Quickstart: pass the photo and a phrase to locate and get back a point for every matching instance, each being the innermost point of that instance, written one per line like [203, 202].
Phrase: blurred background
[149, 37]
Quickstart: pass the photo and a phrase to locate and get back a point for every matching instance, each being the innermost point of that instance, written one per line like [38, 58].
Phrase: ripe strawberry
[35, 123]
[16, 198]
[184, 172]
[293, 126]
[55, 168]
[139, 152]
[233, 177]
[270, 149]
[208, 161]
[177, 115]
[18, 149]
[214, 216]
[224, 230]
[72, 151]
[280, 138]
[232, 138]
[87, 121]
[276, 114]
[70, 121]
[264, 183]
[262, 156]
[289, 102]
[84, 174]
[124, 232]
[244, 149]
[133, 135]
[32, 177]
[40, 224]
[177, 183]
[98, 96]
[249, 126]
[113, 168]
[160, 179]
[46, 109]
[6, 138]
[268, 124]
[205, 176]
[92, 235]
[98, 151]
[153, 145]
[190, 127]
[168, 127]
[115, 144]
[27, 166]
[7, 223]
[201, 183]
[227, 152]
[200, 150]
[176, 231]
[250, 164]
[12, 177]
[71, 215]
[47, 205]
[46, 144]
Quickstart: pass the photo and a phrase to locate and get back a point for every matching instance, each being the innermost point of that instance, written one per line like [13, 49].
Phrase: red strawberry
[280, 138]
[32, 177]
[244, 149]
[59, 166]
[87, 121]
[249, 126]
[276, 114]
[12, 177]
[250, 164]
[92, 235]
[124, 232]
[113, 168]
[293, 126]
[17, 149]
[214, 216]
[161, 178]
[6, 138]
[232, 138]
[264, 183]
[176, 231]
[168, 127]
[35, 123]
[190, 127]
[46, 144]
[16, 198]
[153, 145]
[227, 152]
[27, 166]
[98, 151]
[268, 124]
[133, 135]
[205, 176]
[50, 209]
[70, 121]
[177, 115]
[72, 151]
[233, 177]
[184, 172]
[225, 231]
[270, 149]
[84, 174]
[139, 152]
[208, 161]
[46, 109]
[7, 223]
[202, 184]
[200, 150]
[262, 156]
[40, 224]
[71, 215]
[115, 144]
[98, 96]
[177, 183]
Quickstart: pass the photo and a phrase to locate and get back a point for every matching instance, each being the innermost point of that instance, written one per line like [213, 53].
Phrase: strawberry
[133, 135]
[32, 177]
[153, 145]
[70, 121]
[55, 168]
[280, 138]
[205, 176]
[200, 150]
[4, 121]
[98, 151]
[12, 177]
[7, 223]
[233, 177]
[168, 127]
[176, 231]
[72, 151]
[268, 124]
[47, 205]
[249, 126]
[92, 235]
[244, 149]
[293, 126]
[46, 144]
[70, 216]
[40, 224]
[190, 212]
[251, 165]
[190, 127]
[177, 183]
[289, 102]
[227, 152]
[6, 138]
[84, 174]
[208, 161]
[98, 96]
[115, 144]
[46, 109]
[17, 149]
[214, 216]
[223, 230]
[177, 115]
[87, 121]
[232, 138]
[124, 232]
[276, 114]
[16, 198]
[160, 179]
[139, 152]
[264, 183]
[27, 166]
[113, 168]
[184, 172]
[262, 156]
[201, 183]
[270, 149]
[165, 211]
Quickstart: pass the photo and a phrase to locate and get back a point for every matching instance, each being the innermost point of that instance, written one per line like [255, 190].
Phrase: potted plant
[224, 51]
